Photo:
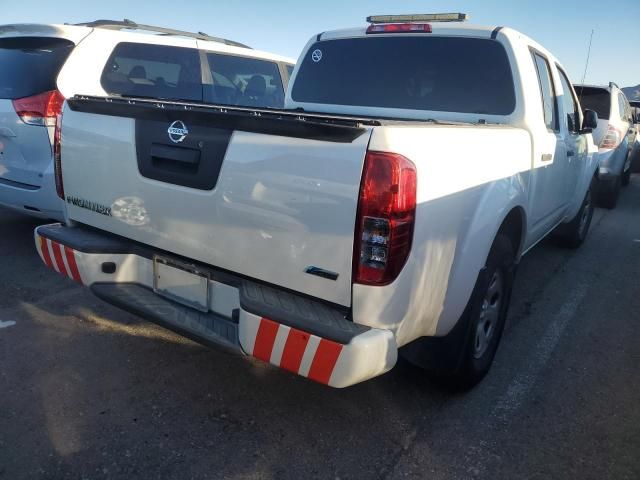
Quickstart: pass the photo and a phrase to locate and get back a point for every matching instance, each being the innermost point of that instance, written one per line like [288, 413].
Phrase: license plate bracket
[181, 282]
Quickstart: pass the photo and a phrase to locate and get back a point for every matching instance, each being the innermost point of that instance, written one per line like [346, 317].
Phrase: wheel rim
[586, 214]
[489, 314]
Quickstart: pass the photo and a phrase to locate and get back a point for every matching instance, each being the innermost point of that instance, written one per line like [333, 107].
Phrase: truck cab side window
[570, 104]
[547, 90]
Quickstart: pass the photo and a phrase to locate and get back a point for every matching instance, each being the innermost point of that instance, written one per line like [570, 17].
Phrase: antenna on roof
[586, 65]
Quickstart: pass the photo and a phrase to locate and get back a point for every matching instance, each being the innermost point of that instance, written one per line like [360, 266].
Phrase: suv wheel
[626, 175]
[608, 198]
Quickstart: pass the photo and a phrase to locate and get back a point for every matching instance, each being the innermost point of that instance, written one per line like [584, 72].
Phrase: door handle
[547, 157]
[570, 153]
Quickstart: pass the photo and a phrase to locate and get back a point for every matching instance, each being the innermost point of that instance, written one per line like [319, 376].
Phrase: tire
[608, 198]
[462, 358]
[572, 234]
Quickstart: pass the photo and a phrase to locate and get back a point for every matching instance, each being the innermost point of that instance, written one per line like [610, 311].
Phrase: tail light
[45, 109]
[386, 215]
[612, 138]
[41, 109]
[400, 28]
[57, 156]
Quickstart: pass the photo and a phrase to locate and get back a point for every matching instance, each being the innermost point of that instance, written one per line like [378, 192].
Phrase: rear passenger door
[242, 81]
[570, 125]
[548, 190]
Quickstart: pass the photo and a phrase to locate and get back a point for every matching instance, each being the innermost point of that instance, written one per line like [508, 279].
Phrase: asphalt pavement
[88, 391]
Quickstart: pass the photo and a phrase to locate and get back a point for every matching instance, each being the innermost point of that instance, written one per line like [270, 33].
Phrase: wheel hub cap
[489, 314]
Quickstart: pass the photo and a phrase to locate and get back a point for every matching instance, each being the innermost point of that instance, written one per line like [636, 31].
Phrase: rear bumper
[611, 163]
[296, 333]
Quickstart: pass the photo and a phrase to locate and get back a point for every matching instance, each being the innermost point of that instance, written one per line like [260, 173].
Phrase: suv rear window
[154, 71]
[244, 82]
[30, 65]
[596, 99]
[448, 74]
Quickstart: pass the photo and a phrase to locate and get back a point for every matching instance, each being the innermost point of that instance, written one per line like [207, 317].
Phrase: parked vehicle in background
[614, 136]
[325, 237]
[31, 57]
[30, 104]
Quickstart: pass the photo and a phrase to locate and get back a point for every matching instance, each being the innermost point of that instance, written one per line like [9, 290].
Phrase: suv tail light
[386, 215]
[612, 138]
[41, 109]
[45, 109]
[57, 156]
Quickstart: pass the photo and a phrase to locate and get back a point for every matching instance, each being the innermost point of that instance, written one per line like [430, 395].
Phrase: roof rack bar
[613, 84]
[128, 24]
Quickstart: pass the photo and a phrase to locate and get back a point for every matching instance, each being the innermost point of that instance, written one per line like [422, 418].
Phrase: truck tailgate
[261, 205]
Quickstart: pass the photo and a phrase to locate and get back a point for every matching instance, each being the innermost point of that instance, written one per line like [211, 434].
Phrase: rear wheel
[487, 317]
[463, 357]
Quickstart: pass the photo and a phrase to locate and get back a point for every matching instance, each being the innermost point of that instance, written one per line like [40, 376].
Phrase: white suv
[31, 57]
[614, 137]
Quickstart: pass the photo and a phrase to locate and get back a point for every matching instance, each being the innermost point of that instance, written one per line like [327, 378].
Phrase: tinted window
[447, 74]
[570, 105]
[30, 65]
[547, 91]
[596, 99]
[157, 71]
[244, 82]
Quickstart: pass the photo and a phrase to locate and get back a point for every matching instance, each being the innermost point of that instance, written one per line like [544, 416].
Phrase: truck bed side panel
[468, 180]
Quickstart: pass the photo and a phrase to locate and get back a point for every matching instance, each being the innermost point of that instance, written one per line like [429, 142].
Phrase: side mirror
[590, 121]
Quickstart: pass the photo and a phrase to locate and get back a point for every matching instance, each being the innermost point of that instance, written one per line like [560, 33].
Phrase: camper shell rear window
[447, 74]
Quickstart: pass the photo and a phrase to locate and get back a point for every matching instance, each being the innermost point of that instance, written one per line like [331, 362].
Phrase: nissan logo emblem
[177, 131]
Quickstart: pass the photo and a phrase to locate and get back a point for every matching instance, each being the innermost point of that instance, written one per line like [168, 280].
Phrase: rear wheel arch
[514, 227]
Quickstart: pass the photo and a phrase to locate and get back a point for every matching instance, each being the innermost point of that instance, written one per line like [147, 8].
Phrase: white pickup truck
[384, 210]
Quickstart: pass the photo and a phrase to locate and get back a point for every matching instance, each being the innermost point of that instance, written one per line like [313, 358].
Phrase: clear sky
[284, 26]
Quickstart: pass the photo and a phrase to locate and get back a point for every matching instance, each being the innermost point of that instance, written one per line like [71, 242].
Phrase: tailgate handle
[175, 160]
[189, 156]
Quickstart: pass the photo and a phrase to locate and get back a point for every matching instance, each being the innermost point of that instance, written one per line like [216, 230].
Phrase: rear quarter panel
[469, 179]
